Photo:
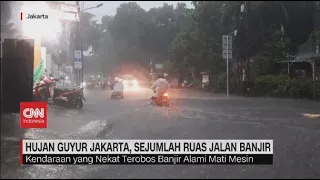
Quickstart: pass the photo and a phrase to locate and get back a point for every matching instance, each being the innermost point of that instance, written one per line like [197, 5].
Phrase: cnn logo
[33, 115]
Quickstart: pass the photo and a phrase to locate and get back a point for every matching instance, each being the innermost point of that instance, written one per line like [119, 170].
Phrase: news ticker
[146, 152]
[169, 159]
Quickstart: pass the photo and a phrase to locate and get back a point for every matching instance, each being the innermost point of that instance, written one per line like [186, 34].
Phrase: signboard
[225, 39]
[226, 47]
[69, 69]
[78, 64]
[159, 66]
[66, 12]
[68, 16]
[68, 8]
[205, 78]
[77, 55]
[224, 54]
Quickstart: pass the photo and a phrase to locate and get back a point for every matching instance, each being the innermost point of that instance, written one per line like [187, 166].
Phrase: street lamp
[97, 6]
[81, 37]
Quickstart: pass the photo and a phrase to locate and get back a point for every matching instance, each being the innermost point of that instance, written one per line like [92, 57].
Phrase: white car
[129, 81]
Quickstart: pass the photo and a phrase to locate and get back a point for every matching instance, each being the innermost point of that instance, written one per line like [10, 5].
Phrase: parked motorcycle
[187, 84]
[67, 97]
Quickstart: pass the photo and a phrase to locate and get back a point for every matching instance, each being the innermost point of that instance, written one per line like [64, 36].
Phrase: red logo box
[33, 115]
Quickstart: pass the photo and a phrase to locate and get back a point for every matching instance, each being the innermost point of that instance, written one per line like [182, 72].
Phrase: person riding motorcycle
[47, 80]
[161, 86]
[117, 88]
[116, 79]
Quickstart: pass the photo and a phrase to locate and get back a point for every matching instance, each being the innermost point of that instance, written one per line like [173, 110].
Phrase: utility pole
[78, 44]
[238, 79]
[241, 44]
[81, 42]
[245, 44]
[248, 44]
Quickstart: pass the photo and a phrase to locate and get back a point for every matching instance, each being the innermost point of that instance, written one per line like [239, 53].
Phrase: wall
[16, 73]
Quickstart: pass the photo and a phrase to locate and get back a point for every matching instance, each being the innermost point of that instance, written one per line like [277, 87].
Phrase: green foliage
[191, 38]
[90, 32]
[218, 82]
[276, 48]
[282, 86]
[317, 36]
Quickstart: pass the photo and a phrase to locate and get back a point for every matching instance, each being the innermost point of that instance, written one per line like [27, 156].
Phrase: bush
[218, 83]
[282, 86]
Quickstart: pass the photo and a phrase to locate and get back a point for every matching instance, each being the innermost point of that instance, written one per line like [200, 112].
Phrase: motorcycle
[104, 85]
[117, 91]
[90, 85]
[62, 97]
[118, 94]
[69, 97]
[41, 90]
[162, 100]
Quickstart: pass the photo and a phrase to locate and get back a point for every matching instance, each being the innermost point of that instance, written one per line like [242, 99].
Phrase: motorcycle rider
[161, 86]
[117, 87]
[116, 79]
[47, 80]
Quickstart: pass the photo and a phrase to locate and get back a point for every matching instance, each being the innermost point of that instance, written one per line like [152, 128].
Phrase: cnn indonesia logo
[33, 115]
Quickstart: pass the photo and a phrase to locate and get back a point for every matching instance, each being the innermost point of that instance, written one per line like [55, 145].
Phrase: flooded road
[192, 115]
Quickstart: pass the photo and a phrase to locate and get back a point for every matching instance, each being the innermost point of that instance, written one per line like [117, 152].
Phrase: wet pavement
[193, 115]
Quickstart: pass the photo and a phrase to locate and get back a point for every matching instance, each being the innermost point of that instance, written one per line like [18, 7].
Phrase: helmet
[160, 76]
[116, 79]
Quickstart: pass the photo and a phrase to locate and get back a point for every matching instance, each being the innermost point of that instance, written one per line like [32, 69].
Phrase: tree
[90, 32]
[201, 47]
[276, 48]
[106, 51]
[191, 38]
[126, 31]
[317, 36]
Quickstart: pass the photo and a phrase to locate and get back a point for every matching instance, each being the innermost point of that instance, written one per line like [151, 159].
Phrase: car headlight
[84, 84]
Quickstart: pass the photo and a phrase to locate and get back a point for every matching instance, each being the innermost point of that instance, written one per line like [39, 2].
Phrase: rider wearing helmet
[160, 86]
[116, 79]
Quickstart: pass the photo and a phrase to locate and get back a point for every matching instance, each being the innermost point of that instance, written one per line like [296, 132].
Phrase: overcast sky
[110, 7]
